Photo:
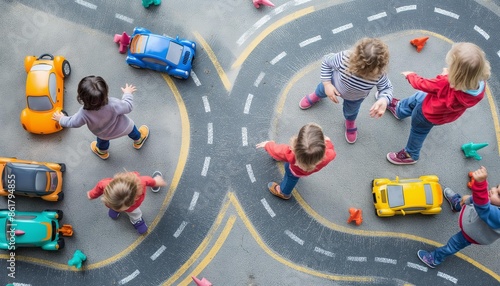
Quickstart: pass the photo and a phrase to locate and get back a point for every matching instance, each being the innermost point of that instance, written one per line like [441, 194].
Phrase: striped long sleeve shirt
[351, 87]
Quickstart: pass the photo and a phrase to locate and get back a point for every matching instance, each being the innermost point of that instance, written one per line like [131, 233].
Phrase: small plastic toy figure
[146, 3]
[202, 282]
[78, 259]
[257, 3]
[419, 43]
[470, 150]
[123, 40]
[355, 215]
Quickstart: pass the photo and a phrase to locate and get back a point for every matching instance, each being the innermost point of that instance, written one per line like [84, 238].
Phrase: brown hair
[369, 58]
[467, 66]
[309, 147]
[122, 191]
[92, 92]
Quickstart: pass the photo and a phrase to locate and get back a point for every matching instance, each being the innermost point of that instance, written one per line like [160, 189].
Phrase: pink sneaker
[392, 107]
[400, 158]
[351, 132]
[309, 100]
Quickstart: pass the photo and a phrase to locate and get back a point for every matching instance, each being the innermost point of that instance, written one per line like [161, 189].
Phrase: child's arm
[277, 151]
[487, 212]
[98, 190]
[74, 121]
[423, 84]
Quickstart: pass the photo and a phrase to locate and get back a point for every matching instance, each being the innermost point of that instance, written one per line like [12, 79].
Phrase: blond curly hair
[368, 59]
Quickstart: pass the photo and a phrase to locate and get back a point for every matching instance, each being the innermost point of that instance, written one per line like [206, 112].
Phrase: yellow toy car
[32, 179]
[407, 196]
[44, 92]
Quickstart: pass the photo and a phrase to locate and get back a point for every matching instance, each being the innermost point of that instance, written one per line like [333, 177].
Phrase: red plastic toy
[419, 43]
[123, 40]
[257, 3]
[356, 215]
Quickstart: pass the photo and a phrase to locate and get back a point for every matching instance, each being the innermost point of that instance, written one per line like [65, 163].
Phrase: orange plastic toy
[66, 230]
[356, 215]
[419, 43]
[471, 182]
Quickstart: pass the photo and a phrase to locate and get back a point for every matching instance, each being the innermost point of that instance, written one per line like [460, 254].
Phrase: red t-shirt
[443, 104]
[283, 152]
[146, 181]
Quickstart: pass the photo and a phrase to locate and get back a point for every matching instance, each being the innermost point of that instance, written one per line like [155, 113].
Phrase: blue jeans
[289, 181]
[103, 145]
[350, 107]
[455, 244]
[420, 127]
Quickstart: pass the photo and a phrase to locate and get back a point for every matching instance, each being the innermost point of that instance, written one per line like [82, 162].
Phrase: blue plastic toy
[470, 149]
[78, 259]
[146, 3]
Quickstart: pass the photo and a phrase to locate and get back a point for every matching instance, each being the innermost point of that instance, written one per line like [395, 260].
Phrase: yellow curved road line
[183, 154]
[213, 58]
[281, 22]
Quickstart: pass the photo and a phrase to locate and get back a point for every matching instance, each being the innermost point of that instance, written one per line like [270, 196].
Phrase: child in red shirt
[125, 192]
[307, 153]
[440, 100]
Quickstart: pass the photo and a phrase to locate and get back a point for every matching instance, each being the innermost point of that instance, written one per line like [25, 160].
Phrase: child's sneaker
[309, 100]
[113, 214]
[273, 188]
[351, 132]
[400, 158]
[102, 154]
[141, 226]
[453, 198]
[426, 257]
[156, 189]
[144, 130]
[392, 107]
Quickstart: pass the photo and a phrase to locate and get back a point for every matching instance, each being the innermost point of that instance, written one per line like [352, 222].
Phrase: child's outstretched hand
[406, 73]
[378, 108]
[480, 174]
[160, 182]
[261, 144]
[128, 88]
[57, 116]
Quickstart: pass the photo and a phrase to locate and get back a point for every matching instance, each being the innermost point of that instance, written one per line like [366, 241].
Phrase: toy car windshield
[39, 103]
[174, 53]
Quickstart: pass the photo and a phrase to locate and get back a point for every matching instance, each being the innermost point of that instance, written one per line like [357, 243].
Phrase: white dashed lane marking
[124, 18]
[248, 103]
[250, 173]
[342, 28]
[294, 237]
[278, 58]
[158, 252]
[244, 136]
[210, 133]
[194, 200]
[206, 104]
[446, 13]
[86, 4]
[482, 32]
[268, 208]
[129, 278]
[406, 8]
[206, 164]
[310, 41]
[180, 229]
[259, 79]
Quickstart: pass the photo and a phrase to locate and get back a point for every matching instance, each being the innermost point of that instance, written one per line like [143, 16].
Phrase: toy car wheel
[373, 181]
[63, 167]
[64, 112]
[60, 196]
[60, 243]
[66, 68]
[135, 66]
[46, 55]
[176, 76]
[60, 213]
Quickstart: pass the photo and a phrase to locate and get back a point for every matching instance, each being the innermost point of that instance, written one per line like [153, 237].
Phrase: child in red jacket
[440, 100]
[307, 153]
[125, 192]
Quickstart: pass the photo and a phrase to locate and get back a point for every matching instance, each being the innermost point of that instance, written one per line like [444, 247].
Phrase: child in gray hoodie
[479, 219]
[105, 117]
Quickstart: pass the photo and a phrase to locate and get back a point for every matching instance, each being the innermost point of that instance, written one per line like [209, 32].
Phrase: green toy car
[33, 229]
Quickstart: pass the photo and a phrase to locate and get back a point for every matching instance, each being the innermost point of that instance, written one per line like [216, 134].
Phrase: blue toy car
[161, 53]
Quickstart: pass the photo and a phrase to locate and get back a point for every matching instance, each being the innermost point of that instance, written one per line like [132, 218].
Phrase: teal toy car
[33, 229]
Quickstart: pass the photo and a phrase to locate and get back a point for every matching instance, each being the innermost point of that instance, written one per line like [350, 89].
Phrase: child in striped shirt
[351, 74]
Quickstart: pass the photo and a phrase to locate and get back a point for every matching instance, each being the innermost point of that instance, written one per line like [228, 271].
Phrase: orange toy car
[44, 92]
[32, 179]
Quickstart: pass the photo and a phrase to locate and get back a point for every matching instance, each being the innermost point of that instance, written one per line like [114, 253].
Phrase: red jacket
[146, 181]
[283, 152]
[443, 104]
